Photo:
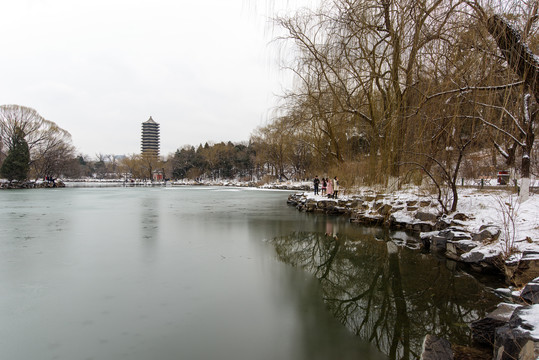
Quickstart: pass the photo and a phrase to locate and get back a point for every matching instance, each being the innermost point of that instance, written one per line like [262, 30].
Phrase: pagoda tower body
[150, 137]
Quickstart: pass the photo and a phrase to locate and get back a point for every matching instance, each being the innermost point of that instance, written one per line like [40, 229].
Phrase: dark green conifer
[17, 163]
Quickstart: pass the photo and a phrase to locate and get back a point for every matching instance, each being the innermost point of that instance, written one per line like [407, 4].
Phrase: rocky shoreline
[510, 331]
[32, 185]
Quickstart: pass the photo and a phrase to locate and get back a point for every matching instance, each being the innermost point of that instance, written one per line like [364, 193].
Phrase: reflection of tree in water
[388, 295]
[149, 222]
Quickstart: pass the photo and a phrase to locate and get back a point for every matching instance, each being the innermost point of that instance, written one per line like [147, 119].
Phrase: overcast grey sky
[202, 69]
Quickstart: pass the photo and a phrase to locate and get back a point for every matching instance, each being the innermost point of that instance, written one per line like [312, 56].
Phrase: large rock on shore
[523, 270]
[518, 339]
[326, 205]
[435, 348]
[510, 331]
[456, 248]
[484, 260]
[530, 293]
[426, 216]
[487, 232]
[484, 330]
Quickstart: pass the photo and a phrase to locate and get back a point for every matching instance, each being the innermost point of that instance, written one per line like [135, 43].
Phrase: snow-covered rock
[484, 330]
[520, 336]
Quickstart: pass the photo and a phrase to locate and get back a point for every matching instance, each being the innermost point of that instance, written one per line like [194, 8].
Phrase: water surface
[213, 273]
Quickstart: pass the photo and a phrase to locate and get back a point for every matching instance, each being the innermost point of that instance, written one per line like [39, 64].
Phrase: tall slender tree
[17, 163]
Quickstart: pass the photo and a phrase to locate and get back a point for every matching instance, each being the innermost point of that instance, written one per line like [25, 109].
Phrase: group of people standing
[330, 187]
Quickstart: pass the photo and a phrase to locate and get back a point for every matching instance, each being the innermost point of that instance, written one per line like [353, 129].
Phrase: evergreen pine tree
[17, 163]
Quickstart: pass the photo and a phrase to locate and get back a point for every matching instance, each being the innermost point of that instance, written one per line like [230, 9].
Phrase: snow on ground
[518, 220]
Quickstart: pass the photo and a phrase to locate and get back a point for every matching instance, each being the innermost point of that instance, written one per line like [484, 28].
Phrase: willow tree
[273, 144]
[364, 59]
[131, 167]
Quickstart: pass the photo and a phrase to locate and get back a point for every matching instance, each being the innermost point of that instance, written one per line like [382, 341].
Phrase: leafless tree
[52, 155]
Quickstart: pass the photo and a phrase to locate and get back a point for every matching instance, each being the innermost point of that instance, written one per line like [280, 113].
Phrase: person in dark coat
[316, 182]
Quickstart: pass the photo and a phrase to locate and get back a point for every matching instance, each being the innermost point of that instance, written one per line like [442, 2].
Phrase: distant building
[158, 175]
[150, 137]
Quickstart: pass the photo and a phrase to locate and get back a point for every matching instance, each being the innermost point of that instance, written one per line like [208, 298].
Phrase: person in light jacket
[330, 188]
[335, 187]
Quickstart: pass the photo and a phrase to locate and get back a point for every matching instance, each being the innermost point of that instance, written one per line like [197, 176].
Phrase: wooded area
[395, 92]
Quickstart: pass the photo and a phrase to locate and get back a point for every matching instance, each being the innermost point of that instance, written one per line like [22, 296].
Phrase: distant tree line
[245, 161]
[215, 161]
[32, 147]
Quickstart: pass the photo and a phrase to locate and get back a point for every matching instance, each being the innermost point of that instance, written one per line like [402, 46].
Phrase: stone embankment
[31, 185]
[511, 331]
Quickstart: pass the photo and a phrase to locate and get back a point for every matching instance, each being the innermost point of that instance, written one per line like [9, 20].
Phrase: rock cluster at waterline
[512, 330]
[447, 234]
[31, 185]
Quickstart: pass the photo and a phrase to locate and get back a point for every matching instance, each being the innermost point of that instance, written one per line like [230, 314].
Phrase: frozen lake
[205, 273]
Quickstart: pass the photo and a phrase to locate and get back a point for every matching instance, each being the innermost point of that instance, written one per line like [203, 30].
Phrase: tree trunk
[510, 160]
[525, 174]
[518, 55]
[526, 66]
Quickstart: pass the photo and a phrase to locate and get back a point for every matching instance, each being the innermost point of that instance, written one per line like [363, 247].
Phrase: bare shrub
[508, 213]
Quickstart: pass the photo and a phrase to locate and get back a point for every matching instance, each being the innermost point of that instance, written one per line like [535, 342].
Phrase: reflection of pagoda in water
[150, 137]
